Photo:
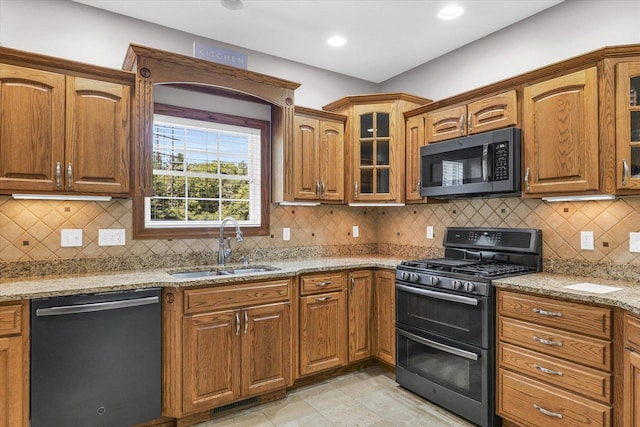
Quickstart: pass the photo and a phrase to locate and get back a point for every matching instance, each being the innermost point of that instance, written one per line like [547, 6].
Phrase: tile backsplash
[30, 230]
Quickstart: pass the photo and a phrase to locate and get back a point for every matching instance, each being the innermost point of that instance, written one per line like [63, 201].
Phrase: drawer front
[632, 332]
[236, 295]
[318, 283]
[574, 317]
[532, 403]
[11, 319]
[567, 375]
[574, 347]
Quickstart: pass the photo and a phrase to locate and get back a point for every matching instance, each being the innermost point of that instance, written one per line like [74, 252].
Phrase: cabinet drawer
[631, 332]
[570, 376]
[574, 347]
[573, 317]
[532, 403]
[236, 295]
[318, 283]
[10, 319]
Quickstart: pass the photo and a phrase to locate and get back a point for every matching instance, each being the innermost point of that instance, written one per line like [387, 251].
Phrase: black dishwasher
[96, 359]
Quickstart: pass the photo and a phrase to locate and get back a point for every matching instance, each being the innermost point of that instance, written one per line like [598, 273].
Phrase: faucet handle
[245, 260]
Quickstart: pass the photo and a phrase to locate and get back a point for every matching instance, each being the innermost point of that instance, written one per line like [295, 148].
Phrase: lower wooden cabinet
[225, 343]
[631, 399]
[384, 317]
[360, 285]
[14, 364]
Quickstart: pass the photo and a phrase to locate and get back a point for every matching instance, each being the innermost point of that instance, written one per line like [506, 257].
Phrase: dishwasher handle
[98, 306]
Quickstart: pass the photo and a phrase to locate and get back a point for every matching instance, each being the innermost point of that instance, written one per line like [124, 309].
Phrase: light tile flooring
[369, 397]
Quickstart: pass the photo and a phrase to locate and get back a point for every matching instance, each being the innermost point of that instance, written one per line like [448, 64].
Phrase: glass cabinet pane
[382, 181]
[635, 162]
[382, 152]
[366, 181]
[382, 125]
[634, 95]
[366, 125]
[366, 153]
[635, 126]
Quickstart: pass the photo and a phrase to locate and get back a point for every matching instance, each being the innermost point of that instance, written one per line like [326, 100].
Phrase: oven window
[456, 168]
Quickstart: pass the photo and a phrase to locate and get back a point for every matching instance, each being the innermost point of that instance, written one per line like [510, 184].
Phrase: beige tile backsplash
[30, 230]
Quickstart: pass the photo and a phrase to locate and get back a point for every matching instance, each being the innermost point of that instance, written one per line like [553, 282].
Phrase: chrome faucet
[224, 253]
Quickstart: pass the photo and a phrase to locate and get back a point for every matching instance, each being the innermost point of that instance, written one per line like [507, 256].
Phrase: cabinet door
[12, 402]
[98, 137]
[306, 183]
[628, 125]
[631, 388]
[360, 311]
[494, 112]
[323, 332]
[211, 357]
[385, 316]
[331, 161]
[266, 348]
[414, 140]
[446, 123]
[32, 108]
[560, 134]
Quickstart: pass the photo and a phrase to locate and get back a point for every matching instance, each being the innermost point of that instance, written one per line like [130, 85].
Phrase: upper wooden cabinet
[485, 114]
[375, 144]
[560, 134]
[628, 125]
[66, 130]
[415, 138]
[318, 156]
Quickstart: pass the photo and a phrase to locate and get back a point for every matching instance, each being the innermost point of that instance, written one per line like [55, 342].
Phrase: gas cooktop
[472, 267]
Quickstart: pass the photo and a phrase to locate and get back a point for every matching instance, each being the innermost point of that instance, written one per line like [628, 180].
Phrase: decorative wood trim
[375, 98]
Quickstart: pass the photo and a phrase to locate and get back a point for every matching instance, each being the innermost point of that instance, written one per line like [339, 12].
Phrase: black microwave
[482, 165]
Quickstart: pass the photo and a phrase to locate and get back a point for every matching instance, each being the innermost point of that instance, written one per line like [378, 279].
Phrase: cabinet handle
[547, 342]
[353, 284]
[325, 283]
[355, 194]
[546, 313]
[625, 172]
[418, 186]
[246, 322]
[469, 129]
[58, 173]
[547, 412]
[526, 180]
[547, 370]
[323, 189]
[322, 299]
[69, 175]
[237, 323]
[317, 189]
[461, 123]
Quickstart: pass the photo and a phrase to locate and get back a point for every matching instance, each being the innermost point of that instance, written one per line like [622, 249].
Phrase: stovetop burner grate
[471, 267]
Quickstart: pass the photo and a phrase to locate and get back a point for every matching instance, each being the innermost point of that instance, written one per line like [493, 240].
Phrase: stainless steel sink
[195, 274]
[245, 270]
[224, 272]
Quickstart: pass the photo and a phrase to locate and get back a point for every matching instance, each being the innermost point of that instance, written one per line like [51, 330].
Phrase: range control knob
[414, 277]
[469, 287]
[456, 284]
[434, 281]
[405, 275]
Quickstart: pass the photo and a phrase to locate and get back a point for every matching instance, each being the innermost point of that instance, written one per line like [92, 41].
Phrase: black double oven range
[445, 317]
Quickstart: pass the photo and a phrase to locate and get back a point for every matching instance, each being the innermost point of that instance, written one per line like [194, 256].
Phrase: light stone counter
[627, 298]
[40, 287]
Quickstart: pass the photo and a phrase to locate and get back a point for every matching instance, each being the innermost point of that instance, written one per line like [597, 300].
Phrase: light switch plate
[70, 237]
[634, 242]
[429, 232]
[111, 237]
[356, 231]
[286, 233]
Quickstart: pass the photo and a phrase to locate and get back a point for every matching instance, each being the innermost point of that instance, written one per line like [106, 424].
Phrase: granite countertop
[625, 295]
[49, 286]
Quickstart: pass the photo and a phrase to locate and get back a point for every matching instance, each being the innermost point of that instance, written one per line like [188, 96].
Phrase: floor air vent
[234, 405]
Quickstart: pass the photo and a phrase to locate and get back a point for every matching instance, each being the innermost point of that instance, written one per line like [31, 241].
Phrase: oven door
[467, 318]
[454, 375]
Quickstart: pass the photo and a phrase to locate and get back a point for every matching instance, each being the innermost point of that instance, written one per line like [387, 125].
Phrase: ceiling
[385, 37]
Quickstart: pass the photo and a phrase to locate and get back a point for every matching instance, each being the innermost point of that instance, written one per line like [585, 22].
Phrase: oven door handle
[439, 346]
[438, 295]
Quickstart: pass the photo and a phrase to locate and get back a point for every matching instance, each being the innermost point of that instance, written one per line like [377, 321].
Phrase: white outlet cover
[634, 242]
[356, 231]
[429, 232]
[286, 233]
[586, 240]
[111, 237]
[70, 237]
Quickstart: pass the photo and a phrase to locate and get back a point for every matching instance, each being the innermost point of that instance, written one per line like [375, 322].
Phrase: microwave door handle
[439, 346]
[438, 295]
[485, 163]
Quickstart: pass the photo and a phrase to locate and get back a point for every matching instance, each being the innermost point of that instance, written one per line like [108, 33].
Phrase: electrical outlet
[429, 232]
[111, 237]
[634, 242]
[70, 237]
[356, 231]
[586, 240]
[286, 233]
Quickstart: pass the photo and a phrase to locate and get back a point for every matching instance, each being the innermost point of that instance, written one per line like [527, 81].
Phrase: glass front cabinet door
[628, 125]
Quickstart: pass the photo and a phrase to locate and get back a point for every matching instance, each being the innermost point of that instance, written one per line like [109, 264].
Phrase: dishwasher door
[96, 359]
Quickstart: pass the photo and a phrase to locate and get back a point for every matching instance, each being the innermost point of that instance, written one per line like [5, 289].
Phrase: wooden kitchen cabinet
[627, 125]
[488, 113]
[323, 341]
[225, 343]
[375, 144]
[385, 316]
[14, 364]
[555, 361]
[318, 156]
[415, 138]
[631, 397]
[61, 132]
[560, 135]
[360, 314]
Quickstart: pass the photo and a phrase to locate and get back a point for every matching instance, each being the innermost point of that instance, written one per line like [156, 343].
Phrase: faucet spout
[224, 253]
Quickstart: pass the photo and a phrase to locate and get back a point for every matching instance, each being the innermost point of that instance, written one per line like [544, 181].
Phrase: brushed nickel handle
[547, 342]
[353, 284]
[625, 172]
[548, 412]
[317, 188]
[237, 324]
[546, 312]
[322, 299]
[246, 322]
[58, 174]
[469, 129]
[547, 370]
[526, 180]
[461, 123]
[325, 283]
[418, 185]
[323, 188]
[355, 195]
[69, 175]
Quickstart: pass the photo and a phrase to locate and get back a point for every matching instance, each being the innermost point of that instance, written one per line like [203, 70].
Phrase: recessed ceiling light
[450, 12]
[232, 4]
[336, 41]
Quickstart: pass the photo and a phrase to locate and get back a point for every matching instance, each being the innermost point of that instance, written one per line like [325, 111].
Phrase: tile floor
[369, 397]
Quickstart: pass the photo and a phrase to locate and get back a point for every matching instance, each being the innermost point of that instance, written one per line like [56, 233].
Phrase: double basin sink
[195, 274]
